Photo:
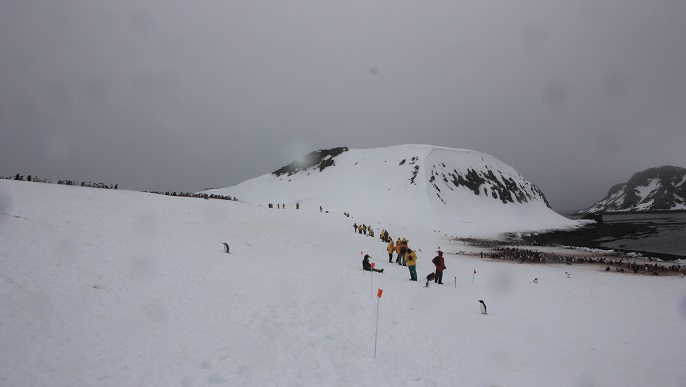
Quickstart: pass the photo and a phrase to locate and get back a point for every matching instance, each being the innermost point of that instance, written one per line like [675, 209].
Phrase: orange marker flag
[376, 333]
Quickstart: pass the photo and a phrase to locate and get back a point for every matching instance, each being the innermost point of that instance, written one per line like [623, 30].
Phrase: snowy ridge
[653, 189]
[405, 183]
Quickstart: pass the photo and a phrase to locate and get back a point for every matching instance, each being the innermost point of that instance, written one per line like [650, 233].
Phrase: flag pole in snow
[371, 281]
[455, 282]
[376, 333]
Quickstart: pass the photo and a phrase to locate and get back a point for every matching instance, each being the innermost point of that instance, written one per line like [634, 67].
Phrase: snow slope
[411, 184]
[118, 288]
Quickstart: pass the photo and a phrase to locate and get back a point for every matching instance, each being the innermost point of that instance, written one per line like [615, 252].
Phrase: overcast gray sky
[181, 96]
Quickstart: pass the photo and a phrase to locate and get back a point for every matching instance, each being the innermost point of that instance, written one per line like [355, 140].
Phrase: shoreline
[633, 212]
[607, 260]
[594, 235]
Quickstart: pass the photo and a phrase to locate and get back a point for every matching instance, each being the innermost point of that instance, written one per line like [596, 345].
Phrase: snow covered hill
[117, 288]
[448, 188]
[655, 189]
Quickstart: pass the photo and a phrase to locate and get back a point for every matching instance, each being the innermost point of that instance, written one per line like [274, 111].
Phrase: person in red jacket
[439, 261]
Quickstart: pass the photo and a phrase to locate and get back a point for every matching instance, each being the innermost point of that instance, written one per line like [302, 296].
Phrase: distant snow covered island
[457, 191]
[652, 190]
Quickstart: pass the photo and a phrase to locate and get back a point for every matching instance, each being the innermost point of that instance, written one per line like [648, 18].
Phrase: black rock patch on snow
[414, 174]
[504, 189]
[321, 159]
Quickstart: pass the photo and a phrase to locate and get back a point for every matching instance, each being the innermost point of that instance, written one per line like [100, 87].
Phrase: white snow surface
[372, 185]
[645, 191]
[119, 288]
[650, 187]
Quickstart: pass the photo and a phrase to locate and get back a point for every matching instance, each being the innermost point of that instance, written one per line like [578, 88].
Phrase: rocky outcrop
[655, 189]
[320, 159]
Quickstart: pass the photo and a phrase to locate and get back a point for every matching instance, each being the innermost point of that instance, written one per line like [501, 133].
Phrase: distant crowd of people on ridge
[35, 179]
[194, 195]
[89, 184]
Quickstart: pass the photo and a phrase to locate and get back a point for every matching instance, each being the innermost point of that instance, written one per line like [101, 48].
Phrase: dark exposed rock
[414, 174]
[655, 189]
[503, 189]
[321, 159]
[595, 216]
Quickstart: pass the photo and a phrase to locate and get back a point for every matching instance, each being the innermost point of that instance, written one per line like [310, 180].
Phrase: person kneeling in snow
[366, 265]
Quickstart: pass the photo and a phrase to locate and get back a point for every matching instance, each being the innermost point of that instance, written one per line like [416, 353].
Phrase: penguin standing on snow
[482, 305]
[568, 275]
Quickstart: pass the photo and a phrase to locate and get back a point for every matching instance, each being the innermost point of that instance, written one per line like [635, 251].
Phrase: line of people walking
[364, 229]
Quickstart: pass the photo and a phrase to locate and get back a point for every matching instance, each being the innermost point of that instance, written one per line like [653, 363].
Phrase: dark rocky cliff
[655, 189]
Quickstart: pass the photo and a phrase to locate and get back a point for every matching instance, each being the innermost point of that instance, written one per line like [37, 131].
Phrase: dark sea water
[669, 238]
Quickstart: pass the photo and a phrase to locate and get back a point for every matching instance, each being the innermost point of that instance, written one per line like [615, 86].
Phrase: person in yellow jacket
[411, 258]
[390, 249]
